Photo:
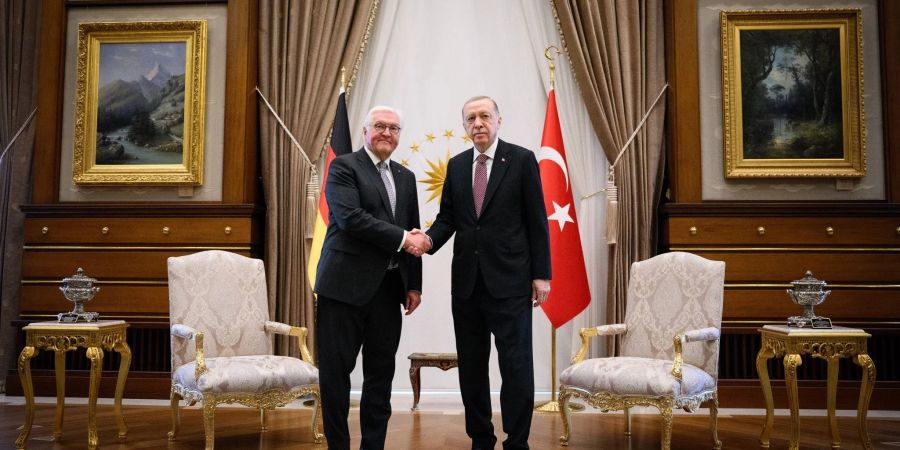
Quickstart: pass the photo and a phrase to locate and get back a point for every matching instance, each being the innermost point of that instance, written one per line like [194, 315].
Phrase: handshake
[416, 242]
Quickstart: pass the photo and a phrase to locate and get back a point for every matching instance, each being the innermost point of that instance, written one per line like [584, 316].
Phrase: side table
[828, 344]
[443, 361]
[62, 337]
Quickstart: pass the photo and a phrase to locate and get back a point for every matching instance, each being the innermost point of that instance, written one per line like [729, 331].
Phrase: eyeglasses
[380, 127]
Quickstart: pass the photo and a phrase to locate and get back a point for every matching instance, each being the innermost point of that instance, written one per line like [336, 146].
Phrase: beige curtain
[302, 46]
[617, 52]
[19, 21]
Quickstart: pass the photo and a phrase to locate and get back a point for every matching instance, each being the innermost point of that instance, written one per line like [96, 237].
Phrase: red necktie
[479, 186]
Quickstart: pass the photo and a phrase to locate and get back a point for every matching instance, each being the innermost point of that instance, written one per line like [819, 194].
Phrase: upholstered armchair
[222, 341]
[669, 345]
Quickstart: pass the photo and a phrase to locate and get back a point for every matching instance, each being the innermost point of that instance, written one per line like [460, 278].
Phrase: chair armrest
[185, 332]
[602, 330]
[701, 335]
[299, 332]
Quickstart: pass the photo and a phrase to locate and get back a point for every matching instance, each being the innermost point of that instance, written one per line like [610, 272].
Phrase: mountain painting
[140, 104]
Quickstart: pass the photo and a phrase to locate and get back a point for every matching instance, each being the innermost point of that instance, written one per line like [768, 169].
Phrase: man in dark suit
[363, 278]
[492, 199]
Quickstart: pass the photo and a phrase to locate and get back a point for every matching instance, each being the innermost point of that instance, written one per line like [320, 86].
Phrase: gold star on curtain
[429, 223]
[448, 133]
[437, 175]
[404, 162]
[429, 137]
[414, 147]
[466, 139]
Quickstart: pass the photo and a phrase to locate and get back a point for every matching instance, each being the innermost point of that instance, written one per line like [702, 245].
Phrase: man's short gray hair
[381, 108]
[475, 99]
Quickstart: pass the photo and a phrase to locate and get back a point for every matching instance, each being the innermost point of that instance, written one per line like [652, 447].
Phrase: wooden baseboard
[732, 393]
[748, 394]
[153, 385]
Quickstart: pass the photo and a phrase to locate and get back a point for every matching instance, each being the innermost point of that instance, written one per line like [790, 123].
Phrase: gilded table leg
[25, 375]
[865, 394]
[95, 354]
[59, 366]
[791, 362]
[317, 411]
[415, 379]
[831, 400]
[124, 364]
[762, 371]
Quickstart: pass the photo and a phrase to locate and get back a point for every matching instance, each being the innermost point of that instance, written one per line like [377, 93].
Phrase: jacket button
[477, 228]
[476, 252]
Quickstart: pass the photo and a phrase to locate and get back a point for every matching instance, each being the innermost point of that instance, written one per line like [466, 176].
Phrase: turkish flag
[569, 293]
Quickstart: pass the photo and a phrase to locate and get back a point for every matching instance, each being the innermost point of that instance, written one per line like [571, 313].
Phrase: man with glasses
[364, 276]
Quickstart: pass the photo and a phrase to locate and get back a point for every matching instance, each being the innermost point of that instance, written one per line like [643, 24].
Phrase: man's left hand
[413, 299]
[540, 290]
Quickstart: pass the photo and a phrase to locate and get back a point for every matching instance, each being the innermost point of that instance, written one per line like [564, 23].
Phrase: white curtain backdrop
[426, 58]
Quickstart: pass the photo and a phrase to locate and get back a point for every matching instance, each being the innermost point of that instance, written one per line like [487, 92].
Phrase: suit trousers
[341, 330]
[509, 320]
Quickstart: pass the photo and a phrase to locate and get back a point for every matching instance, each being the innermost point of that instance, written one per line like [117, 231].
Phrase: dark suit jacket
[362, 235]
[510, 242]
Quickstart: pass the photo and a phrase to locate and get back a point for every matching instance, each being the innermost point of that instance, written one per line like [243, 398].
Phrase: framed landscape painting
[139, 103]
[792, 85]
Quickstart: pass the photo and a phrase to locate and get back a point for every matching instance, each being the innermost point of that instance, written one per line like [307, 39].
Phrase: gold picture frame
[792, 93]
[140, 103]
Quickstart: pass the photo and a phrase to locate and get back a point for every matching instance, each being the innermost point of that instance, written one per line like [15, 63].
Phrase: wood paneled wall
[854, 246]
[125, 244]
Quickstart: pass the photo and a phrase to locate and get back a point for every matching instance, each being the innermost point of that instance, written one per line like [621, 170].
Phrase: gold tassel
[612, 208]
[312, 202]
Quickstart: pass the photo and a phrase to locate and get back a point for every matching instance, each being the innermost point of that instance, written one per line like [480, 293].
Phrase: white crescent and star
[552, 155]
[561, 213]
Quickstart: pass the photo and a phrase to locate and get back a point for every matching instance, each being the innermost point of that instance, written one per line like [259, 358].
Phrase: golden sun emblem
[436, 177]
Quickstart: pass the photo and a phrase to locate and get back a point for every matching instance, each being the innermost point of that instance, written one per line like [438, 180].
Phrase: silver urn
[78, 289]
[808, 292]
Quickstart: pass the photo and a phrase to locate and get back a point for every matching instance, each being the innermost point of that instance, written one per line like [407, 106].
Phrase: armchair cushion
[627, 375]
[247, 374]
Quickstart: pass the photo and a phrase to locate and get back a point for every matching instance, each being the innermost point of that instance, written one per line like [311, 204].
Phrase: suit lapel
[466, 181]
[400, 192]
[374, 178]
[498, 170]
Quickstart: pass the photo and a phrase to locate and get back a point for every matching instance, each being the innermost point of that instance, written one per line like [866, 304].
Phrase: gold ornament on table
[78, 289]
[808, 292]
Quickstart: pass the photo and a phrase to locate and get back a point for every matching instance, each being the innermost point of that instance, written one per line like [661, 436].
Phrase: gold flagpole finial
[551, 58]
[344, 78]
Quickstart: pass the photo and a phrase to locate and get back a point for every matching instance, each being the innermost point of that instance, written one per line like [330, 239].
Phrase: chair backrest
[670, 294]
[223, 295]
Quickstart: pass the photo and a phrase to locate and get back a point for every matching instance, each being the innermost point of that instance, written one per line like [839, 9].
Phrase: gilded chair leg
[627, 421]
[176, 416]
[665, 410]
[564, 396]
[317, 411]
[209, 423]
[714, 421]
[263, 420]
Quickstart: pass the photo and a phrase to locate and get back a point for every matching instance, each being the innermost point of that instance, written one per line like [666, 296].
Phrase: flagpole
[552, 406]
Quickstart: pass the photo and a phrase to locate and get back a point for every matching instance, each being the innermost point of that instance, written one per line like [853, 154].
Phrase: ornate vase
[78, 289]
[808, 292]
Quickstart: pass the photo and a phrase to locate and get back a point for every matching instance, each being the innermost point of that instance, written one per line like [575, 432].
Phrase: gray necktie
[384, 170]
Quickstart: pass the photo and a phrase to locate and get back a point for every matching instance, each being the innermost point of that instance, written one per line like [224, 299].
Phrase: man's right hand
[417, 242]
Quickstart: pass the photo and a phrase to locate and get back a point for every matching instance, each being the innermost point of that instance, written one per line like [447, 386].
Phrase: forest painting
[139, 103]
[792, 93]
